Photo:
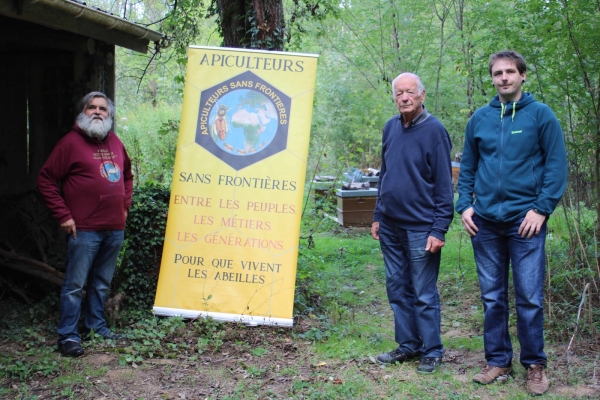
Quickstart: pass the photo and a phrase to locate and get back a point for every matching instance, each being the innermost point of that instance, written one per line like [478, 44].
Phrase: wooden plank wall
[41, 83]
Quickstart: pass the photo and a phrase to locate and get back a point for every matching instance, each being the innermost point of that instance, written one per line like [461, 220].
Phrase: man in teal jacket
[513, 173]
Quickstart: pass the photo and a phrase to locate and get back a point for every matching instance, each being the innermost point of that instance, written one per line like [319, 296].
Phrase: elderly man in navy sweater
[414, 209]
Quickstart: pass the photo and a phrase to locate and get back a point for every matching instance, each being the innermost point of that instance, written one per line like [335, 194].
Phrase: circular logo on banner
[243, 120]
[110, 171]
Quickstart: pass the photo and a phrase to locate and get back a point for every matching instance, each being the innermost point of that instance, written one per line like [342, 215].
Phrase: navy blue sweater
[415, 180]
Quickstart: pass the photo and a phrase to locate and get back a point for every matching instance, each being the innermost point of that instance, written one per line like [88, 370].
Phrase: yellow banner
[231, 244]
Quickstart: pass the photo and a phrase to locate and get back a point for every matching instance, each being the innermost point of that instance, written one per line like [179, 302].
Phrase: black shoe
[394, 356]
[70, 349]
[114, 336]
[429, 364]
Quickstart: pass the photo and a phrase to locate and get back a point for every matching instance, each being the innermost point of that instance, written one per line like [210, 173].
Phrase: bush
[137, 275]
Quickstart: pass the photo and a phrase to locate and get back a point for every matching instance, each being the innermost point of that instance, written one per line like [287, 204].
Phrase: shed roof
[76, 17]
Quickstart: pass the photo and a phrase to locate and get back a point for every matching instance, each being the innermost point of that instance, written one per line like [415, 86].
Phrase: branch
[146, 69]
[11, 260]
[585, 289]
[343, 54]
[10, 286]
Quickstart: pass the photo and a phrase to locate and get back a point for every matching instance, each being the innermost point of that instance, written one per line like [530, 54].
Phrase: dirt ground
[213, 375]
[279, 363]
[236, 370]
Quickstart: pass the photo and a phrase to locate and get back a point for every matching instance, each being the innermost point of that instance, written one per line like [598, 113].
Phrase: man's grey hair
[87, 99]
[420, 86]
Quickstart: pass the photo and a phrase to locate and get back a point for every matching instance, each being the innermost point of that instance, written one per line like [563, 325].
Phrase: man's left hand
[531, 224]
[434, 244]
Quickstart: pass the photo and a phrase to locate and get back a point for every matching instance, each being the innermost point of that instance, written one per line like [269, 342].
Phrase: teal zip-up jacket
[513, 161]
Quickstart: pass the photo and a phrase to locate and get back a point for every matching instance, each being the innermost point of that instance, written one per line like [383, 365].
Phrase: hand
[434, 244]
[531, 224]
[375, 230]
[69, 227]
[467, 221]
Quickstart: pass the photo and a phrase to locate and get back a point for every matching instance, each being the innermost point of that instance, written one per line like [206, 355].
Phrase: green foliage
[137, 274]
[332, 278]
[183, 24]
[210, 333]
[147, 339]
[150, 136]
[259, 351]
[572, 275]
[310, 268]
[23, 366]
[28, 324]
[301, 16]
[153, 337]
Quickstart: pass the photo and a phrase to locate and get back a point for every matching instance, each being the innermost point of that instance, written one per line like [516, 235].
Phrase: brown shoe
[537, 382]
[490, 374]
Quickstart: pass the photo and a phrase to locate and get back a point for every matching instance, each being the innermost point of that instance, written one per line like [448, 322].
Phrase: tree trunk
[252, 24]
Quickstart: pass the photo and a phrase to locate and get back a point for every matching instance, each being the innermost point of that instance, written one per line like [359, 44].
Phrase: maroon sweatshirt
[96, 181]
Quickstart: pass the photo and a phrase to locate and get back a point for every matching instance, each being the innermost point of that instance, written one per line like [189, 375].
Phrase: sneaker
[114, 336]
[70, 349]
[394, 356]
[537, 382]
[429, 364]
[490, 374]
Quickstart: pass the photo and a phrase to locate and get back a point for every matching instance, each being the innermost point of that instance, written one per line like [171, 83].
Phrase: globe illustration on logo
[243, 122]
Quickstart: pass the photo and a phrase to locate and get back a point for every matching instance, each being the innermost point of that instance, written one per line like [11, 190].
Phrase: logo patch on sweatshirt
[110, 171]
[515, 132]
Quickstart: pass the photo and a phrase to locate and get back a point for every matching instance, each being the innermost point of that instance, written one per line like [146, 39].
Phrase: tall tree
[261, 24]
[254, 24]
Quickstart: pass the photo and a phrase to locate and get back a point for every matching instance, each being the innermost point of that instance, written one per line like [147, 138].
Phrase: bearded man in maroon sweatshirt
[87, 185]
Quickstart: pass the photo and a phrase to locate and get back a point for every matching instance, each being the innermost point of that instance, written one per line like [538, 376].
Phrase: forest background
[362, 46]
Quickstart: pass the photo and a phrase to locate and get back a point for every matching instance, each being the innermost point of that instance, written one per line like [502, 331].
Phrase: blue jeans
[411, 283]
[92, 256]
[496, 246]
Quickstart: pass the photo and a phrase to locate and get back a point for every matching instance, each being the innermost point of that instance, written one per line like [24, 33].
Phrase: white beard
[93, 127]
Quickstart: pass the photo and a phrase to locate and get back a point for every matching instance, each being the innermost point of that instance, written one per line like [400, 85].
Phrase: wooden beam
[31, 35]
[57, 20]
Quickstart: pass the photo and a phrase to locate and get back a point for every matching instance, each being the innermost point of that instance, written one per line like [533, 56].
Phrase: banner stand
[233, 229]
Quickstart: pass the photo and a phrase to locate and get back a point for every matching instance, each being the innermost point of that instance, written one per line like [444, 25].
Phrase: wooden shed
[52, 52]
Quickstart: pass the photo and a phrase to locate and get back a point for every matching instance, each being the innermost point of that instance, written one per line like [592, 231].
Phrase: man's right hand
[69, 227]
[375, 230]
[467, 221]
